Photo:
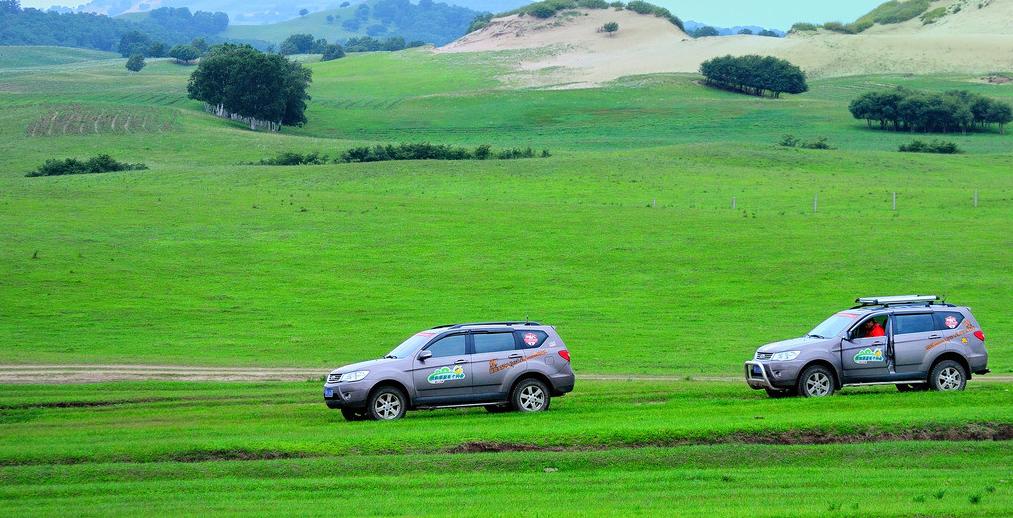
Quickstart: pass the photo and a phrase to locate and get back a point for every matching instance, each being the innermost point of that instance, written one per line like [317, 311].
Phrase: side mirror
[425, 355]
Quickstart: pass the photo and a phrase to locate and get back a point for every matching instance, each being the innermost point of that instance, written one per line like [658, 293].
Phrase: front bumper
[346, 395]
[771, 375]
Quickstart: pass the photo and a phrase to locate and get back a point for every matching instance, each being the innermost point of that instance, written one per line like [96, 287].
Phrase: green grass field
[624, 239]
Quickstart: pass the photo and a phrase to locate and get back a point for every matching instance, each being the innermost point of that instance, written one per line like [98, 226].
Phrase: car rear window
[530, 339]
[493, 342]
[908, 324]
[946, 320]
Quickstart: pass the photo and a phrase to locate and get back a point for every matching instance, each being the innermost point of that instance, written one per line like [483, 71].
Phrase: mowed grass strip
[164, 421]
[883, 479]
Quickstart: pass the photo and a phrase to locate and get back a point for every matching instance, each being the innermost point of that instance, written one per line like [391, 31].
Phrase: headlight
[785, 356]
[352, 376]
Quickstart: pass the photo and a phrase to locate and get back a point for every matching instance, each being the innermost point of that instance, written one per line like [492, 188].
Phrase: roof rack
[898, 300]
[505, 323]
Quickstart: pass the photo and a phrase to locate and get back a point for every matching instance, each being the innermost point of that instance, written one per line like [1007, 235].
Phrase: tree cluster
[903, 109]
[158, 29]
[241, 83]
[706, 31]
[755, 75]
[98, 164]
[426, 20]
[368, 44]
[404, 151]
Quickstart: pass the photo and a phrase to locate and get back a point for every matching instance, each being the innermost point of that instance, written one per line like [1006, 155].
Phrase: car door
[495, 359]
[865, 358]
[912, 333]
[446, 374]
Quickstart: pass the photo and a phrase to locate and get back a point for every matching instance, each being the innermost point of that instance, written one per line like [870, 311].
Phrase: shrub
[593, 4]
[98, 164]
[789, 141]
[289, 158]
[840, 27]
[609, 28]
[793, 141]
[704, 32]
[936, 146]
[404, 151]
[135, 63]
[332, 52]
[804, 27]
[617, 5]
[754, 75]
[479, 22]
[933, 15]
[184, 54]
[895, 11]
[641, 7]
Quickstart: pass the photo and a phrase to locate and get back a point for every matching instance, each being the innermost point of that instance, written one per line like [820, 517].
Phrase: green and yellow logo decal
[438, 376]
[869, 355]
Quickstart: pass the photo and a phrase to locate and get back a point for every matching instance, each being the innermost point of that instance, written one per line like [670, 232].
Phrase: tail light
[979, 335]
[564, 354]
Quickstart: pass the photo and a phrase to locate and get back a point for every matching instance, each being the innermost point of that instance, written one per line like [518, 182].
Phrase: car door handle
[935, 336]
[514, 356]
[461, 361]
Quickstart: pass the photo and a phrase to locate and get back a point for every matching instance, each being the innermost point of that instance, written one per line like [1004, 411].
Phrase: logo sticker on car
[438, 376]
[495, 367]
[531, 339]
[869, 355]
[951, 322]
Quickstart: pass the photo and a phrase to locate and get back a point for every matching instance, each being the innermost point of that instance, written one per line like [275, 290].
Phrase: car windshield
[410, 345]
[833, 326]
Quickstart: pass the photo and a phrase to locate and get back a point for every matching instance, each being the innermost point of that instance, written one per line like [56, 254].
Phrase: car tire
[530, 395]
[386, 404]
[498, 409]
[948, 376]
[778, 394]
[352, 415]
[816, 381]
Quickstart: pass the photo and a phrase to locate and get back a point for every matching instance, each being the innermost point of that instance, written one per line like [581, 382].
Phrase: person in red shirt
[873, 328]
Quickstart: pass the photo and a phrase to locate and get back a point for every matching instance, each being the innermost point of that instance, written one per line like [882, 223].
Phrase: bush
[840, 27]
[479, 22]
[804, 27]
[593, 4]
[641, 7]
[933, 15]
[895, 11]
[754, 75]
[332, 52]
[405, 151]
[289, 158]
[135, 63]
[793, 141]
[705, 31]
[98, 164]
[184, 54]
[936, 146]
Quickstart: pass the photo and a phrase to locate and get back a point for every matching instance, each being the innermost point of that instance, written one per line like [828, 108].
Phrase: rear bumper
[562, 383]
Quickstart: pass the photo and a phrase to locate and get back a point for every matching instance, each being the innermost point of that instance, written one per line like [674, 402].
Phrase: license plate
[328, 392]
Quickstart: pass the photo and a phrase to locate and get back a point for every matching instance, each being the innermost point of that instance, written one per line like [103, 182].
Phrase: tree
[133, 42]
[330, 19]
[754, 75]
[747, 32]
[158, 50]
[297, 44]
[332, 52]
[10, 6]
[304, 12]
[242, 83]
[184, 54]
[135, 63]
[610, 28]
[769, 33]
[200, 44]
[705, 31]
[902, 109]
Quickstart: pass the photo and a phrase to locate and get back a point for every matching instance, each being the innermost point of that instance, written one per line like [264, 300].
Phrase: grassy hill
[625, 238]
[437, 23]
[18, 57]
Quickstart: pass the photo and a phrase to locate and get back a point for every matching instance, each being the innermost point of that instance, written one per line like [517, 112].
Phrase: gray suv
[916, 342]
[498, 365]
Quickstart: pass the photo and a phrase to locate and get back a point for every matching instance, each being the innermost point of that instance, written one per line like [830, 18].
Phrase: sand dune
[567, 50]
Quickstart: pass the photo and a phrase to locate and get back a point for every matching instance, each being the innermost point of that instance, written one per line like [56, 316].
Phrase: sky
[778, 14]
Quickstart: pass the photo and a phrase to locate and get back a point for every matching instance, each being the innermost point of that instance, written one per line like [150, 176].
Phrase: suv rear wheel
[816, 381]
[530, 395]
[386, 404]
[947, 376]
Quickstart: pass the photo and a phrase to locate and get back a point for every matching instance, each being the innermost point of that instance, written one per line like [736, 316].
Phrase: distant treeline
[903, 109]
[165, 26]
[428, 21]
[754, 75]
[404, 151]
[307, 44]
[97, 164]
[548, 9]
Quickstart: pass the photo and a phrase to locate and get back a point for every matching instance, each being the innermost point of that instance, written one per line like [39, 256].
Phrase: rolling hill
[567, 50]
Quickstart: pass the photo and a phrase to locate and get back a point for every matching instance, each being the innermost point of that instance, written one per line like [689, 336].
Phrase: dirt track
[101, 373]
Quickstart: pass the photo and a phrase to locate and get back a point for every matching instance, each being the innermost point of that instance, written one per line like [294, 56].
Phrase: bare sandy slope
[963, 17]
[567, 51]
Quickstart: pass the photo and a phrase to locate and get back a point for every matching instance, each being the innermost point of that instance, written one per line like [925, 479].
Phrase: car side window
[453, 345]
[493, 342]
[530, 339]
[909, 324]
[947, 320]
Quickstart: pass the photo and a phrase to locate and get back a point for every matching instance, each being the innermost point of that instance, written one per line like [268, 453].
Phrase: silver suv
[915, 342]
[498, 365]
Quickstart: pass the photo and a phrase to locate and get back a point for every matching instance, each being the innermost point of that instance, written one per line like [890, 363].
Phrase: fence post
[895, 200]
[816, 202]
[976, 198]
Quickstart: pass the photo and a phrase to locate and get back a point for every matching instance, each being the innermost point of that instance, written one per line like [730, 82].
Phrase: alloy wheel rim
[532, 398]
[818, 384]
[949, 379]
[387, 406]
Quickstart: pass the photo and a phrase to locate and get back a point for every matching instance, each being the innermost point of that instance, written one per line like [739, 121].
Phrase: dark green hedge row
[98, 164]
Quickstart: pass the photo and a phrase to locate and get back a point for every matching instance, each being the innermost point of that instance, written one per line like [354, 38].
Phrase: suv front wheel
[947, 376]
[386, 404]
[530, 395]
[816, 381]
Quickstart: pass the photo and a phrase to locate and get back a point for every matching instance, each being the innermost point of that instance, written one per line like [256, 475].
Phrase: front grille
[763, 356]
[333, 378]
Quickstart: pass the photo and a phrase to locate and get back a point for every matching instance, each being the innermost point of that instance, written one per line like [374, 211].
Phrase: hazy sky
[726, 13]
